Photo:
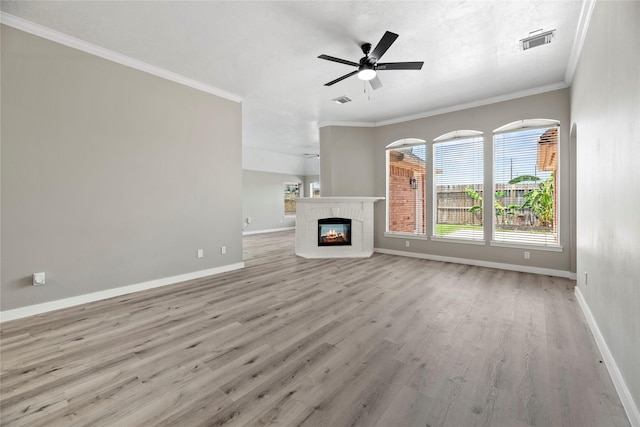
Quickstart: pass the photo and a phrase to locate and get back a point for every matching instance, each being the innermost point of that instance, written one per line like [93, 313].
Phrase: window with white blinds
[525, 172]
[458, 185]
[291, 192]
[406, 169]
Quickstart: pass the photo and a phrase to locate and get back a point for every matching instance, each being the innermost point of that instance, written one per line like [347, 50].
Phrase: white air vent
[342, 100]
[537, 38]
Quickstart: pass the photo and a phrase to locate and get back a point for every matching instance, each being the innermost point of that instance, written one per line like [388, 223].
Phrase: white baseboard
[480, 263]
[616, 376]
[32, 310]
[270, 230]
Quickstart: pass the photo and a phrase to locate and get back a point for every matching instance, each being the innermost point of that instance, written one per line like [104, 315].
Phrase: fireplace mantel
[358, 209]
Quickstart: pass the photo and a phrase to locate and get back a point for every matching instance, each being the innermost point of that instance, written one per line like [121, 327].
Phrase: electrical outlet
[248, 220]
[38, 279]
[200, 253]
[527, 255]
[223, 250]
[407, 244]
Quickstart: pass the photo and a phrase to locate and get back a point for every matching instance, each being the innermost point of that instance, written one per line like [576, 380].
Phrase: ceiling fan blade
[341, 78]
[341, 61]
[400, 66]
[375, 83]
[385, 42]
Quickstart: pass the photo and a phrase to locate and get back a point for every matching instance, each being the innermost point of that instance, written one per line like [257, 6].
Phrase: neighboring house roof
[406, 160]
[548, 150]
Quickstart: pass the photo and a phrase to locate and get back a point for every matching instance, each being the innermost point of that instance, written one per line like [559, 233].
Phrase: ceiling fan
[369, 65]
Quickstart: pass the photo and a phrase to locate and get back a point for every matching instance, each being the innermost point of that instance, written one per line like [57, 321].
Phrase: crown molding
[578, 41]
[352, 124]
[479, 103]
[453, 108]
[67, 40]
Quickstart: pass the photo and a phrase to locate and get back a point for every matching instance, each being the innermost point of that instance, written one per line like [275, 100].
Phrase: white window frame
[300, 192]
[450, 137]
[520, 126]
[402, 143]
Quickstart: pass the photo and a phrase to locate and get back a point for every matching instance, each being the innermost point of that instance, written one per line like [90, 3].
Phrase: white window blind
[525, 175]
[291, 192]
[406, 187]
[458, 186]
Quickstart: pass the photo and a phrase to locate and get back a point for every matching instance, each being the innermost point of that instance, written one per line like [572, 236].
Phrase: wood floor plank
[286, 341]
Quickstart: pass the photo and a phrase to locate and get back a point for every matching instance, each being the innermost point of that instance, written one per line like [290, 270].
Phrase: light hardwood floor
[386, 341]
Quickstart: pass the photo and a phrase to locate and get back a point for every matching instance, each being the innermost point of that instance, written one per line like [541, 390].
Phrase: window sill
[463, 241]
[550, 248]
[405, 235]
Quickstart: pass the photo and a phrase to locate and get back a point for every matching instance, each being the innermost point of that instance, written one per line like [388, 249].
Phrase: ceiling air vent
[537, 38]
[342, 100]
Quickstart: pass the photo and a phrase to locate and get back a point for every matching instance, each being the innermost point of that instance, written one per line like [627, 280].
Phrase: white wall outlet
[200, 253]
[527, 255]
[38, 279]
[248, 220]
[223, 250]
[407, 243]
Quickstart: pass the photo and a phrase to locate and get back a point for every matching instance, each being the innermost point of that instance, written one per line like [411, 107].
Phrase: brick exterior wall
[404, 201]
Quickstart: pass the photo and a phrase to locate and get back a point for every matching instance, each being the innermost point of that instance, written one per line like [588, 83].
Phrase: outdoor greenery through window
[291, 192]
[406, 186]
[458, 183]
[525, 175]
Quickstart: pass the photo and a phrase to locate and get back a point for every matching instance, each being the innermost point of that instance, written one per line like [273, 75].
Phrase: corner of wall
[616, 376]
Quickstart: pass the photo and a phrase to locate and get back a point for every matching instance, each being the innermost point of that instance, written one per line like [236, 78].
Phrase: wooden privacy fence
[453, 202]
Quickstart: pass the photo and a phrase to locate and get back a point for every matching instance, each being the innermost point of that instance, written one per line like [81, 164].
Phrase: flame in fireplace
[334, 235]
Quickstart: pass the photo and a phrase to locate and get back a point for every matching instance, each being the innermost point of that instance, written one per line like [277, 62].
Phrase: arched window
[406, 170]
[458, 185]
[525, 174]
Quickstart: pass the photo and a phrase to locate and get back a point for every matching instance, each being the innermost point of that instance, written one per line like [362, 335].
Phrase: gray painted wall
[605, 108]
[344, 149]
[347, 161]
[110, 176]
[263, 200]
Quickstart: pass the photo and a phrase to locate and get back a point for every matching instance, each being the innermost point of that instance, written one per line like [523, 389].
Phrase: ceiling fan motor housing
[366, 48]
[367, 63]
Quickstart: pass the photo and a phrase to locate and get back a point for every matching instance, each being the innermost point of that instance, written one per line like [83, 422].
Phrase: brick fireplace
[313, 213]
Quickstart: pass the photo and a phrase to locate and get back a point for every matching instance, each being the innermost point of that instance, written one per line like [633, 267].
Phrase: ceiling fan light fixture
[366, 68]
[366, 73]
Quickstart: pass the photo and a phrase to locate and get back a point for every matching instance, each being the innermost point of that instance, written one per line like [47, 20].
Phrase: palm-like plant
[501, 211]
[539, 200]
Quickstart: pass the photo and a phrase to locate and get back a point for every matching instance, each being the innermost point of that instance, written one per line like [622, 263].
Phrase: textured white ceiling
[266, 52]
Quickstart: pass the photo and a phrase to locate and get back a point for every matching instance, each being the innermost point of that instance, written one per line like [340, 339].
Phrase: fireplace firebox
[334, 232]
